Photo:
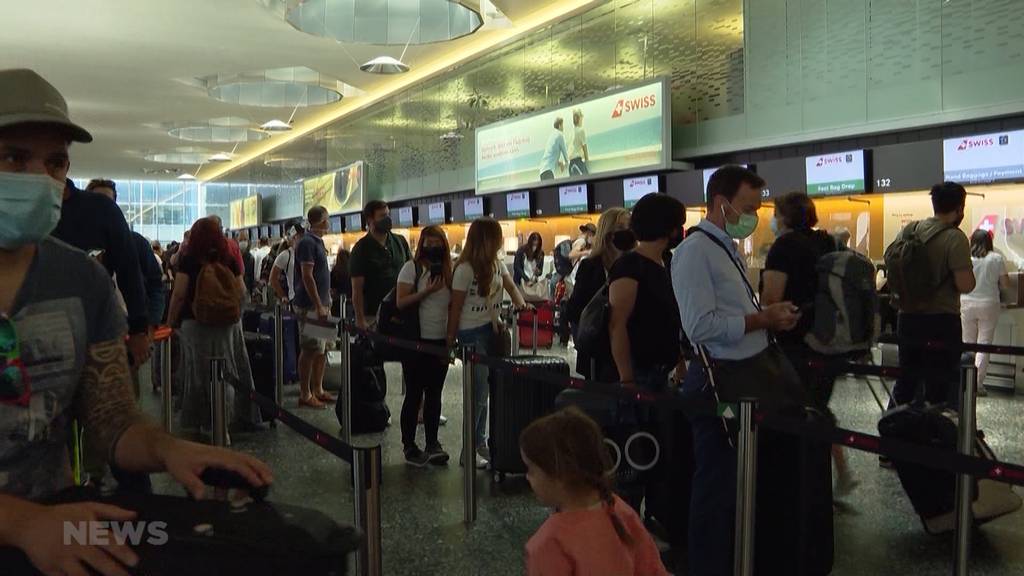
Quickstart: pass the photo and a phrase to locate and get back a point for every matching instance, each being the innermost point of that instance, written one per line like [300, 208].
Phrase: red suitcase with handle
[541, 322]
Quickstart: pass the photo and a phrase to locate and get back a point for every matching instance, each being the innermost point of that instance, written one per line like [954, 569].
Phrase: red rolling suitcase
[540, 322]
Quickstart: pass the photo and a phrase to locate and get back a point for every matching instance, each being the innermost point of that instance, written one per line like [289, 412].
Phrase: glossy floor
[876, 529]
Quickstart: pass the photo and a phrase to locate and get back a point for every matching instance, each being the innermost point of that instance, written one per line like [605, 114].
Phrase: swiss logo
[618, 109]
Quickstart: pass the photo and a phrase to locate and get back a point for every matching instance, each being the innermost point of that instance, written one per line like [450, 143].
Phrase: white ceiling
[120, 64]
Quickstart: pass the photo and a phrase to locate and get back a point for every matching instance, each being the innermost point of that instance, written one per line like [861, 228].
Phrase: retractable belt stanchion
[166, 388]
[536, 319]
[346, 375]
[278, 355]
[515, 332]
[366, 468]
[965, 482]
[746, 490]
[218, 406]
[469, 436]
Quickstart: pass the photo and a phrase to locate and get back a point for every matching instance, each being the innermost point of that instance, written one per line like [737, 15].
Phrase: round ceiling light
[217, 130]
[276, 126]
[186, 176]
[220, 157]
[385, 65]
[181, 155]
[292, 87]
[394, 23]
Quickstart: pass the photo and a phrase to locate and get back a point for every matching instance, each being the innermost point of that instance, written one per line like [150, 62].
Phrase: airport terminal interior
[542, 115]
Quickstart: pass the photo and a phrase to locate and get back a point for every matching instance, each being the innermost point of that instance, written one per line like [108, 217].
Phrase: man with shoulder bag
[731, 332]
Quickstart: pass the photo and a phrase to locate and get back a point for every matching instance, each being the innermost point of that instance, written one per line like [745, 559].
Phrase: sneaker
[443, 420]
[416, 457]
[885, 462]
[437, 455]
[481, 463]
[484, 452]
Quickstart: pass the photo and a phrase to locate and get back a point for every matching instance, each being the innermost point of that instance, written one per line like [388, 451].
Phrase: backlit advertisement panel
[986, 158]
[339, 191]
[624, 131]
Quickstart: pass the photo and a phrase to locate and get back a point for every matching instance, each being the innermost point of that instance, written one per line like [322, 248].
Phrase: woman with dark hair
[528, 266]
[425, 283]
[201, 342]
[790, 276]
[979, 310]
[644, 324]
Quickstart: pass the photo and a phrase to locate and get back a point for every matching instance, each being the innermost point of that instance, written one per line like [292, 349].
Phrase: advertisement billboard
[615, 133]
[573, 199]
[633, 189]
[474, 208]
[518, 204]
[836, 173]
[987, 158]
[339, 191]
[245, 212]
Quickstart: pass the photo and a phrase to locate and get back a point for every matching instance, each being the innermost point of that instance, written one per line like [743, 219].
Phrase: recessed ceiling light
[451, 136]
[186, 176]
[385, 65]
[276, 126]
[221, 157]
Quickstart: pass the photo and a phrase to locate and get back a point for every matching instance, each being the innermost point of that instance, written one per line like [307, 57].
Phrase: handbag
[536, 291]
[592, 337]
[403, 323]
[767, 376]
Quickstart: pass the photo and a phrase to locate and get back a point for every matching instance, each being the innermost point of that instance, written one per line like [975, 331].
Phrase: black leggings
[424, 380]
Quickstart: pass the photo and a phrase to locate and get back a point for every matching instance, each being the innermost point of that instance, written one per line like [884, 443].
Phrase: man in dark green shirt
[375, 263]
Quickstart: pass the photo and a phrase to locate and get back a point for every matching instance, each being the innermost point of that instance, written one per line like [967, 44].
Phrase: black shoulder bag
[767, 376]
[398, 322]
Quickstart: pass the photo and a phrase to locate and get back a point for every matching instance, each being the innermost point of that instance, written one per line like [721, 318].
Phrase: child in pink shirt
[592, 532]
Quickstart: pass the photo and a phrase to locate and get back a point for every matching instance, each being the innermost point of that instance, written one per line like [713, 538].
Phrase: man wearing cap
[581, 247]
[62, 352]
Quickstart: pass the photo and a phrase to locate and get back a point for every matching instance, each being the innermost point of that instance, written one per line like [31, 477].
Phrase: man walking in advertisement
[579, 157]
[554, 153]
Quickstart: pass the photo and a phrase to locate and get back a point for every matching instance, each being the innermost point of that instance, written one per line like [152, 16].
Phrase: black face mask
[624, 240]
[384, 225]
[675, 240]
[434, 254]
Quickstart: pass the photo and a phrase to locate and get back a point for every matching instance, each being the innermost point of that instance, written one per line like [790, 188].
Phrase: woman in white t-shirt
[979, 310]
[425, 374]
[477, 284]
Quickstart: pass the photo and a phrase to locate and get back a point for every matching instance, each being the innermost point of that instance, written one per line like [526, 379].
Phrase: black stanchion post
[965, 482]
[218, 405]
[536, 319]
[166, 384]
[366, 467]
[746, 490]
[515, 332]
[469, 436]
[346, 374]
[278, 355]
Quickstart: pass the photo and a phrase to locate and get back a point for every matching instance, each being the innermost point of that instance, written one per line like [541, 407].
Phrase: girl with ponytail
[592, 531]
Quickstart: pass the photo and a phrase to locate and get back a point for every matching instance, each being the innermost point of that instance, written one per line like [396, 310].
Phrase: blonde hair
[481, 252]
[605, 227]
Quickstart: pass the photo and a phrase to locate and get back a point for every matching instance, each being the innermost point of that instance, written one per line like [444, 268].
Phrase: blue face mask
[774, 225]
[30, 204]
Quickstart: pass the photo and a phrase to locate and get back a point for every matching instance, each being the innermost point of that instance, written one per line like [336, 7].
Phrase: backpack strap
[739, 268]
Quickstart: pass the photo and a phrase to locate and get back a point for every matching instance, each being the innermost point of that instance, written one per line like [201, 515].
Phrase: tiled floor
[876, 533]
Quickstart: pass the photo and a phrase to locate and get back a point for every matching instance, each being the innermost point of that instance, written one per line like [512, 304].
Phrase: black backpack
[592, 336]
[563, 264]
[370, 412]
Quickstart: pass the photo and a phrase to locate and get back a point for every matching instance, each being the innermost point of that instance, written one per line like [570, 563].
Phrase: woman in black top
[644, 326]
[528, 265]
[790, 275]
[593, 273]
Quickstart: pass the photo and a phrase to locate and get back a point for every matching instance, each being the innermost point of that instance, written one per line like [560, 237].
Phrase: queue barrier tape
[946, 460]
[961, 347]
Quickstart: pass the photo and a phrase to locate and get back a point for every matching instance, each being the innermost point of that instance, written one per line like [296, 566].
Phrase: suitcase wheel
[499, 477]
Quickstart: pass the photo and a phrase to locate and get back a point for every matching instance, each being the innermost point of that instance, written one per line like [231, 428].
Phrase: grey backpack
[910, 274]
[844, 305]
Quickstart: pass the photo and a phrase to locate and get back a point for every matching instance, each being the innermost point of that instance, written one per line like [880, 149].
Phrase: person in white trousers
[979, 310]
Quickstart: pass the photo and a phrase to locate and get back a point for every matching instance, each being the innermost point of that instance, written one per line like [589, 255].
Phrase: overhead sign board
[836, 173]
[996, 157]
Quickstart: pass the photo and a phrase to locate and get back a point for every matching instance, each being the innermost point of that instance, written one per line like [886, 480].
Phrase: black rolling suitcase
[260, 348]
[370, 412]
[213, 538]
[669, 487]
[517, 400]
[251, 319]
[794, 531]
[291, 342]
[932, 492]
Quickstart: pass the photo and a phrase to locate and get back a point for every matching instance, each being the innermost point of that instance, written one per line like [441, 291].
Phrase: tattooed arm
[107, 408]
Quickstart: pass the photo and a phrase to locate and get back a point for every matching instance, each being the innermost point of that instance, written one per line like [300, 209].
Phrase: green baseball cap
[27, 98]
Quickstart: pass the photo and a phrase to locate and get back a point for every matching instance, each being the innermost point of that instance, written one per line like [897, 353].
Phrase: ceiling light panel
[181, 155]
[215, 133]
[296, 86]
[390, 22]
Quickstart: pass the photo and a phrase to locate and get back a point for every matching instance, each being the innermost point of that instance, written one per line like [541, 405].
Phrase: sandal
[326, 397]
[311, 402]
